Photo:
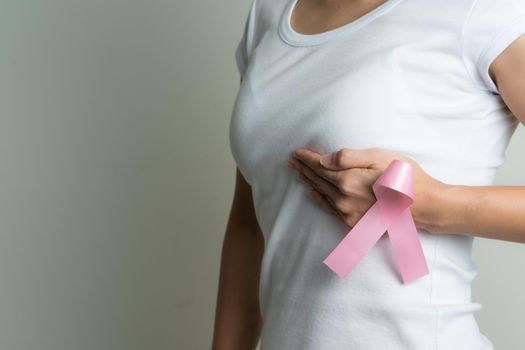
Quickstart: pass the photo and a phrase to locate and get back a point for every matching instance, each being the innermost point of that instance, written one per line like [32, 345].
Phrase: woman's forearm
[237, 316]
[496, 212]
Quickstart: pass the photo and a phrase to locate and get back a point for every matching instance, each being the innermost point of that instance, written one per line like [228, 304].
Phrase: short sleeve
[244, 46]
[489, 28]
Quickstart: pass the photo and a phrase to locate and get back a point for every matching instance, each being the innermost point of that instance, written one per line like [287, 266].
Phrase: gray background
[117, 178]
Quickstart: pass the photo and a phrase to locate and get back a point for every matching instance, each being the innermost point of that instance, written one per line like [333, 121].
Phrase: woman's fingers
[311, 160]
[318, 182]
[333, 195]
[323, 202]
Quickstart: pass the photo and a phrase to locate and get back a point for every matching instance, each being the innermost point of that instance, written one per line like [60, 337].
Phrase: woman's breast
[323, 108]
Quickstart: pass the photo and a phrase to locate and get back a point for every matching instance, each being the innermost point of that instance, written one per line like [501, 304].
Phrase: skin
[329, 14]
[343, 188]
[238, 320]
[493, 212]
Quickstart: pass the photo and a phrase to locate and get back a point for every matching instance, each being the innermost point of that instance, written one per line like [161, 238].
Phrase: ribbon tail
[363, 235]
[407, 248]
[356, 243]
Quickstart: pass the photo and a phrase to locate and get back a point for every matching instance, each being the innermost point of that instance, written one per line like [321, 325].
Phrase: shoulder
[261, 16]
[490, 27]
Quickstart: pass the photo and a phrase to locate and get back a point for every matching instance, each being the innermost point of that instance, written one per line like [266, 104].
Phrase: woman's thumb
[327, 159]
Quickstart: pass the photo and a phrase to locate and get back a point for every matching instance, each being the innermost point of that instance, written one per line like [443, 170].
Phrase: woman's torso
[394, 79]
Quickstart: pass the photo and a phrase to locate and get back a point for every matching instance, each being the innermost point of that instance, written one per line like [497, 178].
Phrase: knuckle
[341, 156]
[346, 206]
[346, 185]
[338, 202]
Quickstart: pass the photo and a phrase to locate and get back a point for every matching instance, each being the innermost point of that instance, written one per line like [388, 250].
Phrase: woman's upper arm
[242, 210]
[508, 72]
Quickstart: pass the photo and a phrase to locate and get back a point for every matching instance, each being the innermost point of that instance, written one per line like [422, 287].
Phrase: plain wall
[117, 177]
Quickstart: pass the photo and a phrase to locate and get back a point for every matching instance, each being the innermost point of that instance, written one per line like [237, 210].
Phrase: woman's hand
[341, 182]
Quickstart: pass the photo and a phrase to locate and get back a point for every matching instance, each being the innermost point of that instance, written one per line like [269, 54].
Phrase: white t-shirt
[410, 76]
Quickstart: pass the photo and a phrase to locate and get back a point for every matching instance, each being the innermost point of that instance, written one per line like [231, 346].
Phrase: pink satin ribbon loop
[391, 213]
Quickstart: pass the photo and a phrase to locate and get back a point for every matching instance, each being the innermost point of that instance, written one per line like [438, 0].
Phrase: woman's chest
[353, 95]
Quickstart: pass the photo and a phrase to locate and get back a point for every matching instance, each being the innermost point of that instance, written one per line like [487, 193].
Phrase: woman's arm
[496, 212]
[237, 317]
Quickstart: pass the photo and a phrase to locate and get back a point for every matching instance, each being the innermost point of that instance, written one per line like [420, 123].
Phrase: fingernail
[326, 159]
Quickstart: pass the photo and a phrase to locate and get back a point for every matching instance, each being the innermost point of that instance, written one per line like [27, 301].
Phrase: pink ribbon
[394, 193]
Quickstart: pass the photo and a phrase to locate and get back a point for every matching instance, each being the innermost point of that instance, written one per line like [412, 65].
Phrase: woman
[357, 84]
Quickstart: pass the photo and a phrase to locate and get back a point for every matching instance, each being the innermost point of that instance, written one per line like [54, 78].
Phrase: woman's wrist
[451, 208]
[425, 210]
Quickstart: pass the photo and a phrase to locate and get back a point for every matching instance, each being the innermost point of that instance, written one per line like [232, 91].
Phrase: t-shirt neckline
[294, 38]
